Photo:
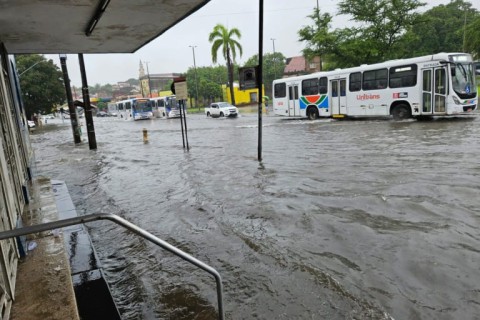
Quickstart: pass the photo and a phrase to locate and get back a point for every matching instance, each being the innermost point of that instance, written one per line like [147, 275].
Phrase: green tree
[102, 106]
[273, 66]
[319, 39]
[222, 37]
[380, 26]
[209, 82]
[472, 38]
[41, 84]
[442, 29]
[133, 82]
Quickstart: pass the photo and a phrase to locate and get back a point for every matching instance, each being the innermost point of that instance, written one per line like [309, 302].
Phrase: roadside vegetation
[385, 30]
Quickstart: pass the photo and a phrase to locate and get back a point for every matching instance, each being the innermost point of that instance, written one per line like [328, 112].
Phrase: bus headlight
[455, 99]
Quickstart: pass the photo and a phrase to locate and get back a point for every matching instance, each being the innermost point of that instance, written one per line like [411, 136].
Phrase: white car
[221, 109]
[31, 124]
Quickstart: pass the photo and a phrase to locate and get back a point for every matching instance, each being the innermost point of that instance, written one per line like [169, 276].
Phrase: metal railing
[130, 226]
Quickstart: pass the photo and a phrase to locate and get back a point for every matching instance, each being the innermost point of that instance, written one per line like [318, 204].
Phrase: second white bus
[165, 107]
[436, 85]
[135, 109]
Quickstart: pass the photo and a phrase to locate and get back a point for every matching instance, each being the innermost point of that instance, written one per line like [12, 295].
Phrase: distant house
[296, 66]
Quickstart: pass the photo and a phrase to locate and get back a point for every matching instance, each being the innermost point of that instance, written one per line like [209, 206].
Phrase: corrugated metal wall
[15, 156]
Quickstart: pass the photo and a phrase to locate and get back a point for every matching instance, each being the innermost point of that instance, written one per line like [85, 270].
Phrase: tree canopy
[444, 29]
[318, 38]
[394, 29]
[41, 83]
[273, 66]
[209, 81]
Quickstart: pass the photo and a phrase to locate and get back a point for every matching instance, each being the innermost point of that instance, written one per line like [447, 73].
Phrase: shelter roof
[88, 26]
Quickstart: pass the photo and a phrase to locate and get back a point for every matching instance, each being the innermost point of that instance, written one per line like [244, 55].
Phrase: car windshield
[224, 105]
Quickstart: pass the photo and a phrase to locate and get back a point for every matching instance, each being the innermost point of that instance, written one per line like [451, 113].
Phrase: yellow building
[242, 97]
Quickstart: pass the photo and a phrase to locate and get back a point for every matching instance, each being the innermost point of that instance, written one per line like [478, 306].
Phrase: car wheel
[221, 114]
[208, 114]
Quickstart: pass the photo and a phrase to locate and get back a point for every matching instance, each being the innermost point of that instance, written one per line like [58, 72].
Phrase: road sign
[181, 91]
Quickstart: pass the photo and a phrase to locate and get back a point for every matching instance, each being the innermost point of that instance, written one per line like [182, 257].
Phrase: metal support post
[259, 79]
[92, 142]
[71, 108]
[184, 103]
[180, 106]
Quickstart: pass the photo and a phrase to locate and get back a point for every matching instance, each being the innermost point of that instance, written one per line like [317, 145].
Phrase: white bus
[165, 107]
[135, 109]
[436, 85]
[112, 109]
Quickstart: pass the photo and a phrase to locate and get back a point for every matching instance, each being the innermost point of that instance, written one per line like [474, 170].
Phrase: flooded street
[341, 220]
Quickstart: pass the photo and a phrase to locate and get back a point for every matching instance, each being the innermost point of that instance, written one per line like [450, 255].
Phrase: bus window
[343, 85]
[334, 88]
[310, 87]
[323, 85]
[120, 107]
[440, 83]
[440, 88]
[355, 81]
[161, 103]
[128, 105]
[293, 92]
[375, 79]
[280, 90]
[427, 91]
[403, 76]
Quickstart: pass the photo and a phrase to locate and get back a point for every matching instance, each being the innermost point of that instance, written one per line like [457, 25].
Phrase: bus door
[338, 96]
[293, 102]
[434, 90]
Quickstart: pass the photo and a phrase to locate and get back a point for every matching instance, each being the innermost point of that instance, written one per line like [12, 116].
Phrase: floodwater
[341, 220]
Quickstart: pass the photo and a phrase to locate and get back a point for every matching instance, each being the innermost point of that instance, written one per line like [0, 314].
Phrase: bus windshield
[463, 80]
[143, 106]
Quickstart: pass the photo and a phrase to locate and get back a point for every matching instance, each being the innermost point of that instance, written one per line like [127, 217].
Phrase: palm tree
[222, 37]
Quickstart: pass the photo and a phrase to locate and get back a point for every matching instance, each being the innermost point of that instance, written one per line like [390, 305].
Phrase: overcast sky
[171, 52]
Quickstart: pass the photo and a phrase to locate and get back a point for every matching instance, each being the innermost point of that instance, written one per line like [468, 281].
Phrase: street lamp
[274, 60]
[464, 26]
[195, 70]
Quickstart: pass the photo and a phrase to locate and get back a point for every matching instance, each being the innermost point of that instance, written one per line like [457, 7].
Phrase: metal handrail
[130, 226]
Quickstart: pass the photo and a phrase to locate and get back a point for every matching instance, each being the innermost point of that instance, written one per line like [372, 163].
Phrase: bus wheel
[401, 112]
[312, 114]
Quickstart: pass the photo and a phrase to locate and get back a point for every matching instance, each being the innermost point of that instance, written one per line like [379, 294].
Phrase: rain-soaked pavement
[341, 220]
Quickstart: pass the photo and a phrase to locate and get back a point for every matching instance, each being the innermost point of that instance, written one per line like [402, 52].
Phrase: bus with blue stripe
[135, 109]
[441, 84]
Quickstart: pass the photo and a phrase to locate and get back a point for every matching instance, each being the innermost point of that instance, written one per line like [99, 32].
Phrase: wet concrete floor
[341, 220]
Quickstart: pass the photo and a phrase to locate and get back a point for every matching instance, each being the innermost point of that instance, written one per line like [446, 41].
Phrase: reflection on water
[341, 220]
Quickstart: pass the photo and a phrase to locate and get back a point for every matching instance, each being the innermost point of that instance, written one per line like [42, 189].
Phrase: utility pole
[149, 84]
[464, 27]
[274, 60]
[196, 80]
[318, 21]
[71, 108]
